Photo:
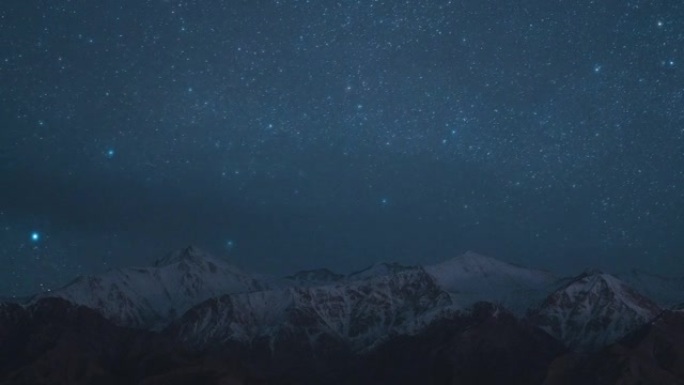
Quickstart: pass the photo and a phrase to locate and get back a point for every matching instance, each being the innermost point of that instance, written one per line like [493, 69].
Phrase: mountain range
[191, 317]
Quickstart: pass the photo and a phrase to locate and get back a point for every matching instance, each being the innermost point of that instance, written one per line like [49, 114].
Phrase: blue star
[35, 236]
[110, 153]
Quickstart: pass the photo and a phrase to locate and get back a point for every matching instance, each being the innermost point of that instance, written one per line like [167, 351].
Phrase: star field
[299, 134]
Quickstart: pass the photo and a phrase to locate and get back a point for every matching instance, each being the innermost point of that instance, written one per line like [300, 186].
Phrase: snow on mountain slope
[356, 314]
[151, 297]
[471, 277]
[594, 310]
[665, 291]
[378, 270]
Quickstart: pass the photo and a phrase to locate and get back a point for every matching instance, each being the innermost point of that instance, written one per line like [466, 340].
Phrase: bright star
[35, 236]
[110, 153]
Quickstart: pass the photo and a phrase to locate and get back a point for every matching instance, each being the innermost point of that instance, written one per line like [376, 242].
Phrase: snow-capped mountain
[594, 310]
[356, 315]
[151, 297]
[471, 278]
[412, 324]
[211, 301]
[364, 307]
[665, 291]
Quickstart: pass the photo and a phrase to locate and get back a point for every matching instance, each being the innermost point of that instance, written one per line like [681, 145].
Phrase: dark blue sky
[298, 134]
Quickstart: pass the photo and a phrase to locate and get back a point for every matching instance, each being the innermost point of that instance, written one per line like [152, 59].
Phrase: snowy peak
[473, 264]
[194, 259]
[473, 260]
[151, 297]
[597, 285]
[472, 277]
[594, 310]
[379, 270]
[190, 254]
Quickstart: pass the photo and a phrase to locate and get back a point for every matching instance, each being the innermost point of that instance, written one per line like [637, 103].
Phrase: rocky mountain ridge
[329, 322]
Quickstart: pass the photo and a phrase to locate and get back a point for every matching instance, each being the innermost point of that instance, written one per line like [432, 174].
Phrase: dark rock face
[485, 346]
[489, 346]
[653, 355]
[56, 342]
[500, 349]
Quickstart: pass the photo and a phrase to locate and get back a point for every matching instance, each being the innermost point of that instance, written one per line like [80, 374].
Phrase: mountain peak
[472, 277]
[472, 257]
[593, 310]
[597, 283]
[190, 254]
[471, 262]
[595, 280]
[151, 297]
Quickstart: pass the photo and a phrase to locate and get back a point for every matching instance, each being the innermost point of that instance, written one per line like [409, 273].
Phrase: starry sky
[293, 134]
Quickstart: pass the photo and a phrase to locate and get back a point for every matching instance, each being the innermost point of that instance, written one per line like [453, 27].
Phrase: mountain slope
[594, 310]
[151, 297]
[388, 323]
[54, 342]
[354, 315]
[378, 270]
[471, 278]
[652, 355]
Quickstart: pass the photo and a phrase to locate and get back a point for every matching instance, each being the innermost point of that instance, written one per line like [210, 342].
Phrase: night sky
[284, 135]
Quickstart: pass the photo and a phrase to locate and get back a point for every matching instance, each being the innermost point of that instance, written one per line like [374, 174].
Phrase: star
[394, 112]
